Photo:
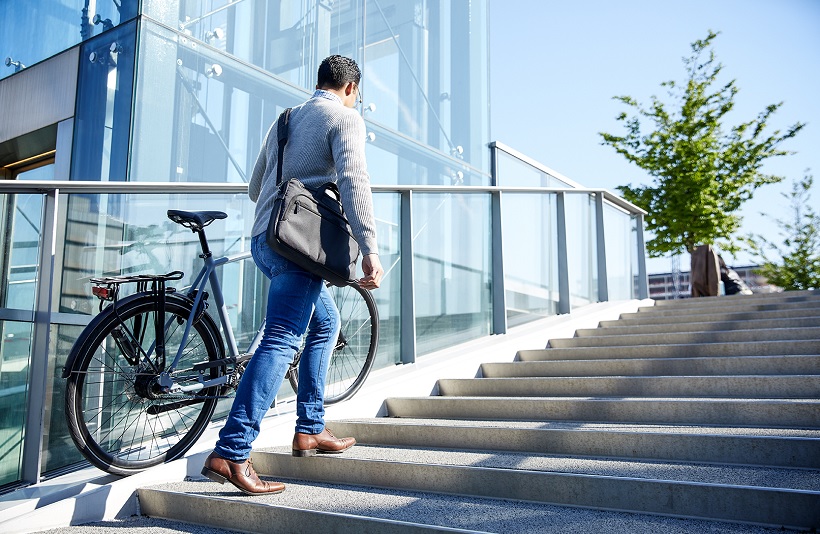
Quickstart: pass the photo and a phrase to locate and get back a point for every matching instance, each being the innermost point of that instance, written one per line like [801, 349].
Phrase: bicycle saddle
[195, 220]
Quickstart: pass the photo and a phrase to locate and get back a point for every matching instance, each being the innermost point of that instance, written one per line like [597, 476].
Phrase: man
[326, 142]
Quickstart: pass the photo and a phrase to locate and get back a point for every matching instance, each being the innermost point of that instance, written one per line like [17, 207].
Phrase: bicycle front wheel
[356, 347]
[119, 416]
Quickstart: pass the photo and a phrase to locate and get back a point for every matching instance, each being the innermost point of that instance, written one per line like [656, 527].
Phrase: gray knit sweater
[325, 144]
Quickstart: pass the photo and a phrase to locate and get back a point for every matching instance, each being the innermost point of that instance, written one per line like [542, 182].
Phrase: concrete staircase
[705, 409]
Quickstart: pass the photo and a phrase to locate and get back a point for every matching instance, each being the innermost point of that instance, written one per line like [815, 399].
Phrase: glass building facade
[119, 111]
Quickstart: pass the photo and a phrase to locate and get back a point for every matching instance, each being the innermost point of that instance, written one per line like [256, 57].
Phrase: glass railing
[481, 259]
[566, 246]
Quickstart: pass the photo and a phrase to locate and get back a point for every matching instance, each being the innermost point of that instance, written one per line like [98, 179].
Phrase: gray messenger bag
[308, 225]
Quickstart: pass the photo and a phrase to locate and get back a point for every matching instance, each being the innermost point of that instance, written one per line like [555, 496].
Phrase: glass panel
[286, 38]
[15, 355]
[515, 172]
[211, 126]
[387, 208]
[618, 234]
[57, 24]
[451, 255]
[425, 63]
[512, 172]
[582, 252]
[427, 73]
[392, 160]
[112, 235]
[58, 448]
[20, 220]
[530, 256]
[104, 92]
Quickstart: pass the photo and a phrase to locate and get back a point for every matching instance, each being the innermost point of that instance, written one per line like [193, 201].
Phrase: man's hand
[373, 272]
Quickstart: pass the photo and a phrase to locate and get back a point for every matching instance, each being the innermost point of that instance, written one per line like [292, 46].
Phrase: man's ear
[349, 88]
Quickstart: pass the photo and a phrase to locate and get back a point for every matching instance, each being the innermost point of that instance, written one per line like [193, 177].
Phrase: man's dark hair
[335, 71]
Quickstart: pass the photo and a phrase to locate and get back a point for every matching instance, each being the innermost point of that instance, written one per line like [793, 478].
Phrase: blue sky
[555, 67]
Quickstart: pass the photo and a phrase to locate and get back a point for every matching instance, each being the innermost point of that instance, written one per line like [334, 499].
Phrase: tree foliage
[701, 175]
[798, 266]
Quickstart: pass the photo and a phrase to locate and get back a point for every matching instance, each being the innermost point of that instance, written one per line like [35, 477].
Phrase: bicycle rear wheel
[356, 347]
[118, 416]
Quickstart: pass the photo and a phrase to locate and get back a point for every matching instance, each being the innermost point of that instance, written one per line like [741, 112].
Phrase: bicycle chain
[233, 384]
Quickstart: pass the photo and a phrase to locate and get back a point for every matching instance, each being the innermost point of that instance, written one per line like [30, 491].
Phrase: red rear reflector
[101, 292]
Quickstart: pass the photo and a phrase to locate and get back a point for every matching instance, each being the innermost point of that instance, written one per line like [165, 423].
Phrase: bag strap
[282, 136]
[332, 189]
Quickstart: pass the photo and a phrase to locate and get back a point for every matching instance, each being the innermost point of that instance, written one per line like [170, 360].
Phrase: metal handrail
[44, 186]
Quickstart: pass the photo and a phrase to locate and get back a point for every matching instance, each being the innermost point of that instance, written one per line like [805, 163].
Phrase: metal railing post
[643, 279]
[499, 302]
[38, 368]
[499, 295]
[407, 316]
[564, 304]
[603, 282]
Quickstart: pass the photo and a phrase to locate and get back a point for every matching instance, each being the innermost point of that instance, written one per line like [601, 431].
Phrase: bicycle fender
[71, 360]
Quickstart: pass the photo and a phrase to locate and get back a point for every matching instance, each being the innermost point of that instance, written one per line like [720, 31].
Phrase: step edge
[224, 521]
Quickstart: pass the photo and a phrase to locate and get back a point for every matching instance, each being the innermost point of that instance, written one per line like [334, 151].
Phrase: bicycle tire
[356, 348]
[112, 421]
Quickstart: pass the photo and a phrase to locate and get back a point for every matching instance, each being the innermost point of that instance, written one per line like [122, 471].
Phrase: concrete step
[728, 300]
[194, 503]
[337, 507]
[746, 365]
[713, 445]
[688, 350]
[759, 386]
[715, 315]
[785, 413]
[720, 326]
[393, 457]
[808, 304]
[759, 495]
[777, 334]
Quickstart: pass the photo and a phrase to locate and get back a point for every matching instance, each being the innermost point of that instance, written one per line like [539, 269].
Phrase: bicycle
[145, 375]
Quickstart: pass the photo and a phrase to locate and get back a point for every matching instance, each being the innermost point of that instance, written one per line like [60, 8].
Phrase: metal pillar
[408, 302]
[603, 282]
[564, 305]
[38, 369]
[643, 280]
[499, 301]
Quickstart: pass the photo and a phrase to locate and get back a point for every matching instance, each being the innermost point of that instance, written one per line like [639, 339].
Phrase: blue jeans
[297, 301]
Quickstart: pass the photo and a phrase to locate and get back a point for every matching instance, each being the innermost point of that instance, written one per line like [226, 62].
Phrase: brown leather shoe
[324, 442]
[240, 474]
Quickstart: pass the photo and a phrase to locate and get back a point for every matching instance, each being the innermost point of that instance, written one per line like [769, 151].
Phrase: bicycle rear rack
[107, 288]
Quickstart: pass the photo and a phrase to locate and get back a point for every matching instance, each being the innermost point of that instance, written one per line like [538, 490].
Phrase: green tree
[799, 263]
[701, 175]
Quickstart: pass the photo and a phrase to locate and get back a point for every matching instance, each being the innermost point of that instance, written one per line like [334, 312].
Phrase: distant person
[732, 283]
[704, 274]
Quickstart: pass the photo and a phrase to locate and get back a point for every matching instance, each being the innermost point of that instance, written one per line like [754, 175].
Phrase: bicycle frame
[207, 274]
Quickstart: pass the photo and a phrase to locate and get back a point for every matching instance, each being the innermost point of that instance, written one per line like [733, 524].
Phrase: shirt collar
[321, 93]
